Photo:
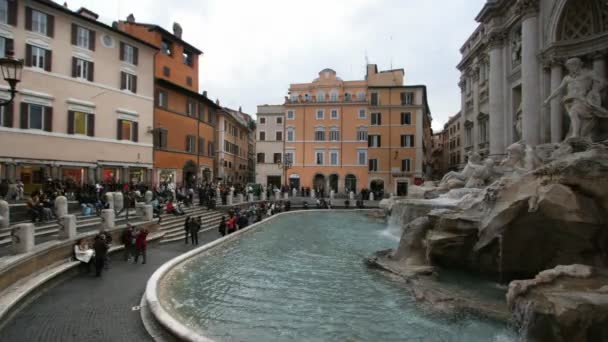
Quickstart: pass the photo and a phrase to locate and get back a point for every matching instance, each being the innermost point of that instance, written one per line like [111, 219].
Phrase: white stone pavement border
[152, 303]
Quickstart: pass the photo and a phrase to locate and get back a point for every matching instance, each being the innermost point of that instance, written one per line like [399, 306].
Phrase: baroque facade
[515, 59]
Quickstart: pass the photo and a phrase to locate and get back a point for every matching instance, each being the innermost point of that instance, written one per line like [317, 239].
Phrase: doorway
[273, 181]
[402, 189]
[333, 182]
[377, 187]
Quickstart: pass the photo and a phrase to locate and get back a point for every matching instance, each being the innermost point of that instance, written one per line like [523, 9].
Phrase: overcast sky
[253, 49]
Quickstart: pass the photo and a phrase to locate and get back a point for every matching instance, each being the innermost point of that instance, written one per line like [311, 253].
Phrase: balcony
[340, 99]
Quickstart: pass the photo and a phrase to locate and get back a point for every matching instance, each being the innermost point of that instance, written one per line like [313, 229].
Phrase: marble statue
[482, 174]
[518, 122]
[454, 179]
[582, 100]
[177, 30]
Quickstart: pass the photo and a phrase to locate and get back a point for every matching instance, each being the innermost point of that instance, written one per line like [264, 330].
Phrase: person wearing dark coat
[141, 245]
[222, 227]
[101, 251]
[187, 227]
[194, 228]
[128, 239]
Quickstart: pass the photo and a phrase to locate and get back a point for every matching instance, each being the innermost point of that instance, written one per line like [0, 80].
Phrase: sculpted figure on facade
[518, 122]
[582, 100]
[455, 179]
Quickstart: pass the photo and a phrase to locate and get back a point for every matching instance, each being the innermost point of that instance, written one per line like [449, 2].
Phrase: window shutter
[50, 25]
[28, 18]
[74, 34]
[12, 12]
[122, 51]
[8, 115]
[379, 119]
[70, 122]
[187, 140]
[91, 71]
[48, 119]
[156, 97]
[24, 124]
[123, 80]
[10, 46]
[135, 55]
[412, 140]
[201, 146]
[156, 138]
[134, 85]
[28, 55]
[48, 60]
[163, 138]
[135, 131]
[91, 125]
[379, 141]
[402, 98]
[369, 141]
[369, 163]
[92, 40]
[74, 67]
[119, 129]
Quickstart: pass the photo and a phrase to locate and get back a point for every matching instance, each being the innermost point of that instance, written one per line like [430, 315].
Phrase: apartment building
[270, 145]
[452, 135]
[349, 135]
[84, 106]
[235, 151]
[184, 120]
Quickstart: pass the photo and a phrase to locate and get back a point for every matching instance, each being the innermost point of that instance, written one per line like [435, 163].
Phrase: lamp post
[285, 164]
[11, 73]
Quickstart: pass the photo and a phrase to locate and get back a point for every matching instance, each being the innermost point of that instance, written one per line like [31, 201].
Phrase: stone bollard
[139, 208]
[277, 196]
[371, 196]
[241, 198]
[294, 193]
[109, 199]
[5, 218]
[107, 219]
[351, 196]
[148, 197]
[67, 227]
[263, 195]
[250, 197]
[229, 199]
[119, 203]
[286, 196]
[61, 206]
[22, 236]
[148, 212]
[332, 195]
[312, 193]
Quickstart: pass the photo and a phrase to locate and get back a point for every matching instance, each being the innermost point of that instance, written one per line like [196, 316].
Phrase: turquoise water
[301, 277]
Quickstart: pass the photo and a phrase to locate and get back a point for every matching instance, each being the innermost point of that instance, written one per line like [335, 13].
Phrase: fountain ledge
[162, 326]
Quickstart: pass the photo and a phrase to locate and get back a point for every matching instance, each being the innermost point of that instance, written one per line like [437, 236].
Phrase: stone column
[22, 236]
[55, 174]
[90, 174]
[476, 110]
[497, 114]
[67, 227]
[530, 73]
[4, 214]
[557, 108]
[11, 172]
[124, 174]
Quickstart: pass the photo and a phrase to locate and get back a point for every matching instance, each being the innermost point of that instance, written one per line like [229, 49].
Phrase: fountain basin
[299, 276]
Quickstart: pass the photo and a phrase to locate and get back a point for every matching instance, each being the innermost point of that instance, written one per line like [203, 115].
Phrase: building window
[320, 114]
[262, 136]
[276, 158]
[361, 157]
[128, 82]
[407, 98]
[374, 99]
[306, 97]
[468, 135]
[83, 37]
[191, 107]
[127, 130]
[291, 135]
[334, 113]
[291, 115]
[210, 149]
[81, 123]
[334, 156]
[190, 144]
[39, 22]
[163, 99]
[289, 157]
[406, 118]
[334, 97]
[373, 165]
[4, 11]
[262, 120]
[407, 140]
[188, 58]
[376, 119]
[261, 158]
[361, 96]
[347, 97]
[321, 97]
[294, 97]
[319, 156]
[160, 138]
[320, 134]
[189, 81]
[361, 134]
[362, 113]
[129, 53]
[374, 140]
[406, 165]
[201, 146]
[36, 117]
[334, 134]
[82, 69]
[165, 47]
[279, 120]
[38, 57]
[166, 71]
[279, 136]
[483, 131]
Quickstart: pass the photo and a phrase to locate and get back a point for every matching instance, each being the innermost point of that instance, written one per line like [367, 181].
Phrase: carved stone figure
[518, 121]
[481, 174]
[582, 100]
[516, 48]
[455, 179]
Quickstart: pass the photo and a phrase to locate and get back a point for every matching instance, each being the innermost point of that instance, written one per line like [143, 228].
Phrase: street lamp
[285, 164]
[11, 72]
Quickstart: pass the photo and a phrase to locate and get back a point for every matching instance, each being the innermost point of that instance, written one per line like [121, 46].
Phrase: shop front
[32, 177]
[137, 175]
[109, 175]
[74, 175]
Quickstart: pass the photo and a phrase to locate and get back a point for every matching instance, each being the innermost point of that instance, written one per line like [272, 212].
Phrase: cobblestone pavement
[84, 308]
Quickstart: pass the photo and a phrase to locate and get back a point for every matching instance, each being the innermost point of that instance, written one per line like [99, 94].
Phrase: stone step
[179, 230]
[180, 221]
[182, 237]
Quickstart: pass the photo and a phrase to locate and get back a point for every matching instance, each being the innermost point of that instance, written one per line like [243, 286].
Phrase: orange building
[349, 135]
[184, 120]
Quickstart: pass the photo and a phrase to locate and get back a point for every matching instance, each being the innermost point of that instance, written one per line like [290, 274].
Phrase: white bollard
[332, 195]
[312, 193]
[241, 198]
[61, 206]
[277, 196]
[22, 236]
[148, 212]
[294, 192]
[286, 196]
[5, 216]
[109, 197]
[250, 197]
[263, 195]
[351, 196]
[229, 199]
[371, 196]
[118, 201]
[67, 227]
[148, 197]
[107, 219]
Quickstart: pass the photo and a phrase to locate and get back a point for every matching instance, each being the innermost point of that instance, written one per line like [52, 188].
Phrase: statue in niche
[516, 48]
[177, 30]
[583, 99]
[518, 122]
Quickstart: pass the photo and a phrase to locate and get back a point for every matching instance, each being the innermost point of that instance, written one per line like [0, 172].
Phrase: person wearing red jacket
[231, 224]
[141, 244]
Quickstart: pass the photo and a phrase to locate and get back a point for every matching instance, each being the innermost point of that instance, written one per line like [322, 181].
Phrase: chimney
[131, 18]
[217, 102]
[87, 13]
[177, 30]
[204, 93]
[240, 109]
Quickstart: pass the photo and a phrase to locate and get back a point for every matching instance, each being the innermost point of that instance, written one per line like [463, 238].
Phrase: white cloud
[253, 50]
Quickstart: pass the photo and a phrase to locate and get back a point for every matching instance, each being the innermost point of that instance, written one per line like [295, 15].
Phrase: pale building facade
[515, 59]
[350, 135]
[85, 102]
[234, 144]
[270, 145]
